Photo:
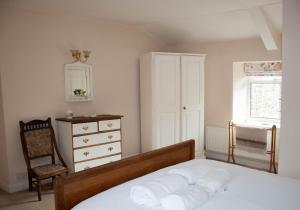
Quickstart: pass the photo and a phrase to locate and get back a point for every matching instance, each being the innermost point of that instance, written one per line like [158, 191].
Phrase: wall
[34, 48]
[290, 144]
[218, 72]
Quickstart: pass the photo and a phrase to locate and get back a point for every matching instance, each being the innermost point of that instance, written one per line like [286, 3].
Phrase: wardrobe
[172, 99]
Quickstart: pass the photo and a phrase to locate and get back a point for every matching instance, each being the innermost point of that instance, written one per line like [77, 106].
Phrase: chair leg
[52, 183]
[30, 182]
[38, 186]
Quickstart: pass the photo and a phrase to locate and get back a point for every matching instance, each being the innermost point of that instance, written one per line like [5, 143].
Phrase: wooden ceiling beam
[267, 34]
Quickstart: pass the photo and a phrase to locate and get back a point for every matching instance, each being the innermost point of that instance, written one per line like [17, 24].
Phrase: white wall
[290, 126]
[34, 48]
[240, 93]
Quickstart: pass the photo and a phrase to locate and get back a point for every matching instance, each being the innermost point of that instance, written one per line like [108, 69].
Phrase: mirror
[78, 82]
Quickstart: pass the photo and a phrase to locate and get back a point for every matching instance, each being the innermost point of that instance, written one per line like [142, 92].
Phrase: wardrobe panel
[169, 129]
[167, 93]
[192, 97]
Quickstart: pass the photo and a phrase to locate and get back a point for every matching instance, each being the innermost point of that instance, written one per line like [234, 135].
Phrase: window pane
[265, 100]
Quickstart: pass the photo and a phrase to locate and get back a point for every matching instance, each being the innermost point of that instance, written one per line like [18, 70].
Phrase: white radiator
[217, 139]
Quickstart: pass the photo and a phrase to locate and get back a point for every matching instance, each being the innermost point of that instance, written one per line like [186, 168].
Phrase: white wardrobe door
[192, 72]
[166, 100]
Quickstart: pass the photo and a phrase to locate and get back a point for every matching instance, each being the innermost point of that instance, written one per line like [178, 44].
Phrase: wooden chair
[38, 141]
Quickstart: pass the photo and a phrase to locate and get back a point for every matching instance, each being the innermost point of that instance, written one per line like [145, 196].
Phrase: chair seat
[49, 170]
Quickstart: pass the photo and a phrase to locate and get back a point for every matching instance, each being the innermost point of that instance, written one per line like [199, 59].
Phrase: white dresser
[172, 99]
[87, 142]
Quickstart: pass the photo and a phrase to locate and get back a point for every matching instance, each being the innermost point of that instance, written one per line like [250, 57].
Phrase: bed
[107, 187]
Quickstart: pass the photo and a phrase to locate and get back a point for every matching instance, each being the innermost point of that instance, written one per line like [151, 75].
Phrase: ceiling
[175, 21]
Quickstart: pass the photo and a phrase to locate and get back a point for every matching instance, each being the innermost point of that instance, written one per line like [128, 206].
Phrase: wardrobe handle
[184, 108]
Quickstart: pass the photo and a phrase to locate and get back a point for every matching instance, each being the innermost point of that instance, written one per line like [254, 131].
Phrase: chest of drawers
[87, 142]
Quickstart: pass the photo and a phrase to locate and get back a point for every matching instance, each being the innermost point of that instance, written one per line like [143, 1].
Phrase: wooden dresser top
[83, 119]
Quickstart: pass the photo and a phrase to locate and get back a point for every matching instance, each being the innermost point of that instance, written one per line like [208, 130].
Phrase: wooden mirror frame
[69, 68]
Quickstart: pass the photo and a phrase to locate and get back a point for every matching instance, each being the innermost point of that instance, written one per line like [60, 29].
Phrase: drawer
[83, 128]
[94, 163]
[96, 151]
[88, 140]
[109, 125]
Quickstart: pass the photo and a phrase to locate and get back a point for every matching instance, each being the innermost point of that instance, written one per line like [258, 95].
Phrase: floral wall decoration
[263, 68]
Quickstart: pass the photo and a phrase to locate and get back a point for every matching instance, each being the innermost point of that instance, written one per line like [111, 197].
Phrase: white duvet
[247, 189]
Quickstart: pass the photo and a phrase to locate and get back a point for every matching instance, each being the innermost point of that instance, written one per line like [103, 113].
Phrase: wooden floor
[26, 201]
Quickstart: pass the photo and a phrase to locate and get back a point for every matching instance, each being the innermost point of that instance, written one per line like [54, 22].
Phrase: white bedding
[248, 189]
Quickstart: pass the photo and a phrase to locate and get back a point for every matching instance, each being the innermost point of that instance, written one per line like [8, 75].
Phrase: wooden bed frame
[74, 188]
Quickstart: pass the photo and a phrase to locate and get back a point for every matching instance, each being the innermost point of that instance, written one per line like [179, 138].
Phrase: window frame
[261, 80]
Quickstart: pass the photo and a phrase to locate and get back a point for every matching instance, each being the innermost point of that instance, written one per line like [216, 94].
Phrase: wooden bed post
[273, 150]
[231, 142]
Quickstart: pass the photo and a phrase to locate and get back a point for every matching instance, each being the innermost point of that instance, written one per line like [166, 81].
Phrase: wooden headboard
[74, 188]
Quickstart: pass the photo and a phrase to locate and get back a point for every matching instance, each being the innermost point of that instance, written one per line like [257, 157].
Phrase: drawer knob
[110, 136]
[86, 153]
[87, 167]
[85, 140]
[85, 128]
[109, 124]
[110, 148]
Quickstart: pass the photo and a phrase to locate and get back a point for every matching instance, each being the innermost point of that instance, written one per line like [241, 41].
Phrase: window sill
[257, 125]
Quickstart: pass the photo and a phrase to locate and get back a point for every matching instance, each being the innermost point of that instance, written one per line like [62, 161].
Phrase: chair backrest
[37, 138]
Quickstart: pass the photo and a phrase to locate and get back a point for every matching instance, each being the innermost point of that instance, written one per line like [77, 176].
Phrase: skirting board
[4, 186]
[256, 163]
[17, 187]
[11, 188]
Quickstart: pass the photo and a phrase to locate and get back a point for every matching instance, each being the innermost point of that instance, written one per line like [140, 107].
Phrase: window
[265, 98]
[257, 92]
